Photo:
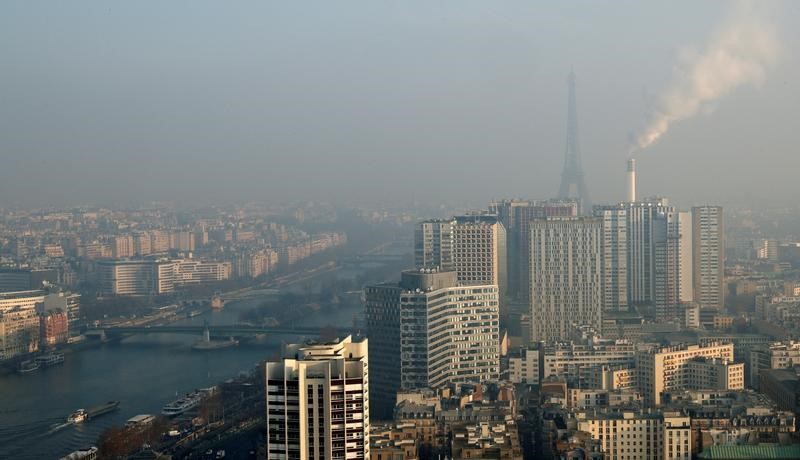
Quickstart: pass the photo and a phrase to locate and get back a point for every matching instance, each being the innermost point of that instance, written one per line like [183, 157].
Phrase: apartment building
[318, 402]
[430, 330]
[566, 277]
[472, 245]
[635, 435]
[19, 322]
[709, 256]
[666, 369]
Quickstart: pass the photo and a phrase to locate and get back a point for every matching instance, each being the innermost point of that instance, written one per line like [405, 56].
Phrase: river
[143, 372]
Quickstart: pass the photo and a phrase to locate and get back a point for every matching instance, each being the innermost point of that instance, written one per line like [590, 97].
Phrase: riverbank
[144, 372]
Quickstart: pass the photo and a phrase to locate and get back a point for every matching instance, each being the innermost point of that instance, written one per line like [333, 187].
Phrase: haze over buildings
[375, 239]
[208, 103]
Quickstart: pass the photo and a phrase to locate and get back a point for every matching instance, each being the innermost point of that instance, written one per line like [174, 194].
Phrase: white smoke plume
[739, 53]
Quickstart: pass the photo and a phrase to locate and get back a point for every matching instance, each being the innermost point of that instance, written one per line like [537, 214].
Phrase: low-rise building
[255, 263]
[53, 327]
[135, 277]
[619, 377]
[732, 417]
[580, 398]
[19, 322]
[665, 369]
[783, 387]
[630, 435]
[15, 280]
[713, 373]
[575, 362]
[778, 355]
[523, 366]
[69, 302]
[157, 277]
[419, 422]
[192, 271]
[390, 442]
[485, 440]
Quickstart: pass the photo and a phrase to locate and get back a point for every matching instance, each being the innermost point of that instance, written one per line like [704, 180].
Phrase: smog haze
[395, 102]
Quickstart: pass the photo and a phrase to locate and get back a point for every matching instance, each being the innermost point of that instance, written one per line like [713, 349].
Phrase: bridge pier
[95, 334]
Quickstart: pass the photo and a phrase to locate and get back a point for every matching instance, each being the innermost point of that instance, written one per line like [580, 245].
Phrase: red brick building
[53, 327]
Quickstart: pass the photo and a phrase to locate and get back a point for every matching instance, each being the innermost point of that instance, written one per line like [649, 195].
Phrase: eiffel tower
[572, 184]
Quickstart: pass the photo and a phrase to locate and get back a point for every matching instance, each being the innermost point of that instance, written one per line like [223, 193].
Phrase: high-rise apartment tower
[472, 245]
[709, 251]
[566, 276]
[318, 402]
[430, 331]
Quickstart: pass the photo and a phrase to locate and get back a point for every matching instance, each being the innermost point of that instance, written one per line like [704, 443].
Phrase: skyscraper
[318, 402]
[667, 266]
[708, 236]
[686, 256]
[479, 250]
[449, 333]
[566, 276]
[516, 244]
[382, 318]
[654, 257]
[472, 245]
[429, 331]
[615, 256]
[433, 244]
[516, 216]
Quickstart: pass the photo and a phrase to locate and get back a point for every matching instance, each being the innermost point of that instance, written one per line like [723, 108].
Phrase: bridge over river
[220, 330]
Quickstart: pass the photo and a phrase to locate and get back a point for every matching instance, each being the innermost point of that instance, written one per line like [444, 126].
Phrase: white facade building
[615, 257]
[633, 435]
[134, 277]
[155, 277]
[686, 257]
[19, 322]
[709, 256]
[524, 368]
[579, 361]
[472, 245]
[667, 369]
[449, 332]
[191, 271]
[433, 244]
[318, 402]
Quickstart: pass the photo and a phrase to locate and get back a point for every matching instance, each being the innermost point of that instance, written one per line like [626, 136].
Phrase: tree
[211, 408]
[113, 443]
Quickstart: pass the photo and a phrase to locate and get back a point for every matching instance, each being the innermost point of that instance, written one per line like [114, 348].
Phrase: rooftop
[21, 294]
[751, 452]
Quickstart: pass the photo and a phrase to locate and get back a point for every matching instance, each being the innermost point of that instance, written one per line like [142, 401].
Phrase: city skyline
[399, 230]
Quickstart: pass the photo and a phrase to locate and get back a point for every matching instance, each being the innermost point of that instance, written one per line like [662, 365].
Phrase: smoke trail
[738, 53]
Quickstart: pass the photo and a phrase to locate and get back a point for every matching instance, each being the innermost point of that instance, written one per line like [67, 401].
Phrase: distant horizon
[466, 206]
[452, 102]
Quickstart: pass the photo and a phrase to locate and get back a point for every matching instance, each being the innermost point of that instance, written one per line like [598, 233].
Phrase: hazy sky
[378, 101]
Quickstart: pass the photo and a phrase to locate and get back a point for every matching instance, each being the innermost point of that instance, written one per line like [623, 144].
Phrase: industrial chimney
[631, 180]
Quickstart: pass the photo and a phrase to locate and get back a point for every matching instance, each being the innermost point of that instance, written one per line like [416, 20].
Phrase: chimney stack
[631, 180]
